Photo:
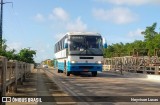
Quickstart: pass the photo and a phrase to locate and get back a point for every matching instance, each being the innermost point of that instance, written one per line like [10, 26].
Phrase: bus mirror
[65, 43]
[104, 43]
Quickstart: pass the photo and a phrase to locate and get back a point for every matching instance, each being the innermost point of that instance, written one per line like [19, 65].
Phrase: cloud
[135, 35]
[57, 37]
[59, 14]
[14, 45]
[39, 17]
[131, 2]
[63, 21]
[117, 15]
[76, 25]
[43, 50]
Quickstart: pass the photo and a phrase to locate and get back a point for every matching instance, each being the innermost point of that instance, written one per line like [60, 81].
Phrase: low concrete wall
[12, 72]
[154, 77]
[107, 67]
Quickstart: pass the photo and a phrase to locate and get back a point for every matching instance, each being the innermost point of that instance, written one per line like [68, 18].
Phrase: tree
[151, 42]
[26, 55]
[139, 44]
[150, 33]
[151, 38]
[108, 52]
[10, 54]
[3, 50]
[157, 41]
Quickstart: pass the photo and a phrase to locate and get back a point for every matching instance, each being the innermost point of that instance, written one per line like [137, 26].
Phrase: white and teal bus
[80, 52]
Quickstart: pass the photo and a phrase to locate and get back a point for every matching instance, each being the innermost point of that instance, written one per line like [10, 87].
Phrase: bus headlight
[99, 62]
[73, 61]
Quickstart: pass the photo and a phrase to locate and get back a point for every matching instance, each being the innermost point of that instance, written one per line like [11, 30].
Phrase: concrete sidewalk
[147, 77]
[38, 84]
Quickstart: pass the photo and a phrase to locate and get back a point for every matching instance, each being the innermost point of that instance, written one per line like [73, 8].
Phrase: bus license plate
[85, 70]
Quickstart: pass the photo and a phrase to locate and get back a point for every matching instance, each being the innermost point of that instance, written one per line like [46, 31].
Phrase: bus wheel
[67, 73]
[59, 71]
[94, 73]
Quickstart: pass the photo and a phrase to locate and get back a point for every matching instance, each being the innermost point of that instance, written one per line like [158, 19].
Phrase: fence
[140, 64]
[12, 73]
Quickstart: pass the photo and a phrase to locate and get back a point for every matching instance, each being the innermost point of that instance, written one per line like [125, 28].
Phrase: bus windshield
[85, 45]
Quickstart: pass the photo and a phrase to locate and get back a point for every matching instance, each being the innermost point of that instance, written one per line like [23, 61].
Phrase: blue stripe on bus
[80, 66]
[61, 65]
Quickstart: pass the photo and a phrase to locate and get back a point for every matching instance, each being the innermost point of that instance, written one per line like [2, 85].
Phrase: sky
[39, 24]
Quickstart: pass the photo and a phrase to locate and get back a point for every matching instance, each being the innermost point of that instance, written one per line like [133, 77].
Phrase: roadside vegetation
[24, 55]
[151, 42]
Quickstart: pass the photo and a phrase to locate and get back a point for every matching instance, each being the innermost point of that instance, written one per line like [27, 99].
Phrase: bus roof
[84, 33]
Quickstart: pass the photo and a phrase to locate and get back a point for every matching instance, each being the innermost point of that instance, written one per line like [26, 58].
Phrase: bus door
[65, 66]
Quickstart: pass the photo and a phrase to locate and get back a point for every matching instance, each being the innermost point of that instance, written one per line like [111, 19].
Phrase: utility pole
[1, 24]
[1, 21]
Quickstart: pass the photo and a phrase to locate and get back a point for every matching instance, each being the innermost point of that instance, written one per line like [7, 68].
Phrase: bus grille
[86, 57]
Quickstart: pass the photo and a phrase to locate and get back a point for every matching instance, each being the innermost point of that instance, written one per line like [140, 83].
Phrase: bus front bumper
[83, 67]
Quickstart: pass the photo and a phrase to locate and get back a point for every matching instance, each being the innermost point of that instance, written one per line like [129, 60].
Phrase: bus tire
[59, 71]
[68, 73]
[94, 73]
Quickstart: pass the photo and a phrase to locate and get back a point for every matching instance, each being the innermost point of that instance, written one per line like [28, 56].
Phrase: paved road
[47, 82]
[106, 84]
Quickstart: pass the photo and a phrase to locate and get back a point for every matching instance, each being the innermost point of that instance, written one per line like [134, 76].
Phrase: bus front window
[76, 43]
[85, 45]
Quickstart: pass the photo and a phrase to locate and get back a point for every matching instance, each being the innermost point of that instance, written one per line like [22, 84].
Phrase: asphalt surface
[47, 82]
[106, 84]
